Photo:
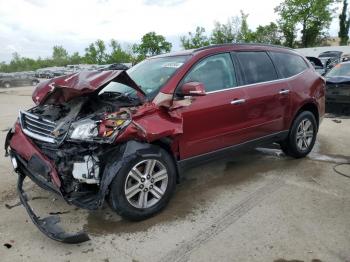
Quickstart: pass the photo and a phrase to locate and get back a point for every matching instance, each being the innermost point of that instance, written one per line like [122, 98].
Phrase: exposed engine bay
[77, 138]
[80, 133]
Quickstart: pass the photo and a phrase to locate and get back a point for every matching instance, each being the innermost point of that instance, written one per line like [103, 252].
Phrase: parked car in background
[44, 73]
[127, 136]
[330, 59]
[317, 64]
[17, 79]
[116, 66]
[338, 88]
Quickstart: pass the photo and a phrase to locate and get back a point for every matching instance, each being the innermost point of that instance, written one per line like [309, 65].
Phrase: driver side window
[215, 72]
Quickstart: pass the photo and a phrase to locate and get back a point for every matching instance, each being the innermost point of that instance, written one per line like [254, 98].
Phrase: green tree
[226, 33]
[344, 24]
[245, 34]
[118, 55]
[59, 56]
[95, 53]
[195, 40]
[314, 16]
[268, 34]
[75, 58]
[152, 44]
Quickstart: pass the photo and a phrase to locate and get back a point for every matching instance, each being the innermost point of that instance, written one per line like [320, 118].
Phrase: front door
[210, 121]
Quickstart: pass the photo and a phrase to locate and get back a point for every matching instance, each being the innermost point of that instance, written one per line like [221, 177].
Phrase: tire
[300, 142]
[7, 85]
[129, 207]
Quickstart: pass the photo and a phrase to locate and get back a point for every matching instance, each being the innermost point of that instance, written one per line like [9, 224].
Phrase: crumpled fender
[151, 123]
[123, 155]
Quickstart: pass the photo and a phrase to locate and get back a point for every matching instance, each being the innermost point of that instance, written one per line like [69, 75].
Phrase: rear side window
[215, 72]
[257, 67]
[288, 64]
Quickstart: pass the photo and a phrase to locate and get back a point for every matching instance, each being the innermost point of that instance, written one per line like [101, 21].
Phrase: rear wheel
[302, 136]
[143, 187]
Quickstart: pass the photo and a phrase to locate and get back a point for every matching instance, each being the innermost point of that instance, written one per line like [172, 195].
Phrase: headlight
[84, 130]
[104, 130]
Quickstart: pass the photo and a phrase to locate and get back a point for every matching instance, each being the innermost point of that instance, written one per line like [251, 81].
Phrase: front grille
[38, 128]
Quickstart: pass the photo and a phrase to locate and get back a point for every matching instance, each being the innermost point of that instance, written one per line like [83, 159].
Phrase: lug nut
[145, 190]
[151, 186]
[148, 177]
[142, 180]
[152, 180]
[141, 186]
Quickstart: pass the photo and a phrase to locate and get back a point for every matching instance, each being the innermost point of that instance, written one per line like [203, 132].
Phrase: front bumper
[29, 162]
[339, 99]
[48, 225]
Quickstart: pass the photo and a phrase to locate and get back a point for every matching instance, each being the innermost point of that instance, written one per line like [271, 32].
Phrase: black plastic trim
[223, 152]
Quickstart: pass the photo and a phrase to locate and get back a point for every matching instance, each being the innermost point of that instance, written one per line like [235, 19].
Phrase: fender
[121, 156]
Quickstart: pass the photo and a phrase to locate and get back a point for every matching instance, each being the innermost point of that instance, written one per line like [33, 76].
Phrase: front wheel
[302, 136]
[144, 186]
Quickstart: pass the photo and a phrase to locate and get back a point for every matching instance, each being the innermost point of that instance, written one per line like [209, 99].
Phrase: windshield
[340, 70]
[151, 74]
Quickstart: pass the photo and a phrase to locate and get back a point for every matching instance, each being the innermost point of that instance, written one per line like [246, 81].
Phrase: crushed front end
[65, 141]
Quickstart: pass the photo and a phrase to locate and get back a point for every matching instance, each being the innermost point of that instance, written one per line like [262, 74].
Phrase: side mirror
[192, 89]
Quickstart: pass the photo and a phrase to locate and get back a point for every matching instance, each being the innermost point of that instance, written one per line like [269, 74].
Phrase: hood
[64, 88]
[338, 80]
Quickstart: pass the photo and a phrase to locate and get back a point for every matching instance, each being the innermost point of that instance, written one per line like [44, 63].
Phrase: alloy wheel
[305, 134]
[146, 183]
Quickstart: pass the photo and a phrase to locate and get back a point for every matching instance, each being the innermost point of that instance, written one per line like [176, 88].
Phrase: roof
[192, 51]
[241, 44]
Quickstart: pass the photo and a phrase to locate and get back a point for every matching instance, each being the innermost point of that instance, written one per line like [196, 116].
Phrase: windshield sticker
[172, 65]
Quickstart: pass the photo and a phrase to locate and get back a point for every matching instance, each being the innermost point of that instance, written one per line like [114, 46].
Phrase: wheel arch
[165, 143]
[312, 107]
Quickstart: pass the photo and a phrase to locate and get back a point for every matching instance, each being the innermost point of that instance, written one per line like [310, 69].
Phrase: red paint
[210, 122]
[23, 146]
[64, 88]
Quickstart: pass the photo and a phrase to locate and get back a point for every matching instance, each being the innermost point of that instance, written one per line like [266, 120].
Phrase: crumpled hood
[338, 80]
[64, 88]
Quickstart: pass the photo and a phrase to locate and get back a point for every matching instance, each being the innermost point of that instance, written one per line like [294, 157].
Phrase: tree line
[309, 19]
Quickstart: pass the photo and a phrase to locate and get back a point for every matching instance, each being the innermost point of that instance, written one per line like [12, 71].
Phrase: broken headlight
[84, 130]
[104, 130]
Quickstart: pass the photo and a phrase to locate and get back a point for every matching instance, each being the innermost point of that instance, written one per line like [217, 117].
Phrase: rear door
[211, 121]
[268, 99]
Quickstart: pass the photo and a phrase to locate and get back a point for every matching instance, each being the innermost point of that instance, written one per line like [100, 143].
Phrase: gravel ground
[256, 206]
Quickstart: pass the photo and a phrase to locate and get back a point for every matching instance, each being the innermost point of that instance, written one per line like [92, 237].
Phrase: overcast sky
[33, 27]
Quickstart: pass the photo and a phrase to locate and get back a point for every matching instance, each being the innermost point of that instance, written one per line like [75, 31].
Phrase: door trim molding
[223, 152]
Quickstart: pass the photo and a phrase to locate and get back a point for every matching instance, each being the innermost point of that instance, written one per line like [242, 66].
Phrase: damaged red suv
[127, 136]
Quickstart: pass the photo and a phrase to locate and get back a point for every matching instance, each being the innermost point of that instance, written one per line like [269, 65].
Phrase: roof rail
[240, 44]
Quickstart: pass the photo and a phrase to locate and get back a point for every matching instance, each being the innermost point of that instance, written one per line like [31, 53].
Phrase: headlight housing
[84, 130]
[104, 130]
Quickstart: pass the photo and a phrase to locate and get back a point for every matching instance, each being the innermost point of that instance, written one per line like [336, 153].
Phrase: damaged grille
[38, 128]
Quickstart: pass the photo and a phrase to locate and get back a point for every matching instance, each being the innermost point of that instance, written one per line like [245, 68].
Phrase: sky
[33, 27]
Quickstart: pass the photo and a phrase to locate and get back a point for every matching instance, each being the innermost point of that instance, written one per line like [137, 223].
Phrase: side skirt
[224, 152]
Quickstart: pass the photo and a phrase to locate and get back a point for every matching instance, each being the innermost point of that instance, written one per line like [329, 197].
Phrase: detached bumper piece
[49, 225]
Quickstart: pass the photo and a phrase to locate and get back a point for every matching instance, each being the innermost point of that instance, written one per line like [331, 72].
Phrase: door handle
[237, 101]
[284, 92]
